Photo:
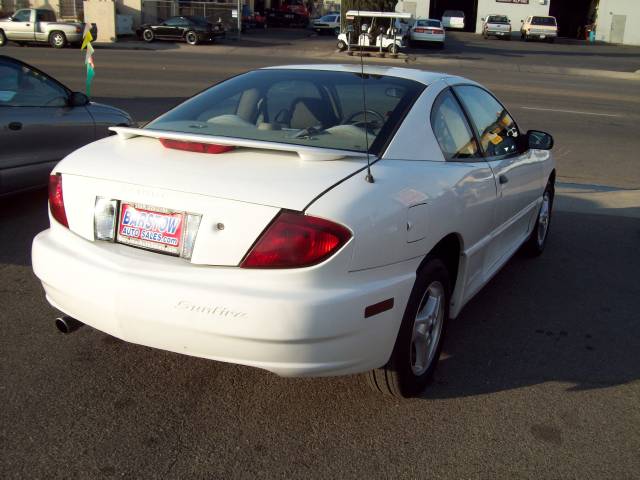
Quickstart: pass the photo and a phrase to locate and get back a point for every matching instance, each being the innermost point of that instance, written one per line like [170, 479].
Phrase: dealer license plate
[152, 228]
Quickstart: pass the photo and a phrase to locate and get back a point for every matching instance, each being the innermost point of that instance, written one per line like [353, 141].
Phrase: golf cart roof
[363, 13]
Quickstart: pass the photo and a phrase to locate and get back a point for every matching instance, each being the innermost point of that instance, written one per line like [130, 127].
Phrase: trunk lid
[235, 194]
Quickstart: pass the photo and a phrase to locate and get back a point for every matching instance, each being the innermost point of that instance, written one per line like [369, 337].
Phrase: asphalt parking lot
[540, 376]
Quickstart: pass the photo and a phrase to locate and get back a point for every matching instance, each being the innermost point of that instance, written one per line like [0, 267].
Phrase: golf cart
[378, 31]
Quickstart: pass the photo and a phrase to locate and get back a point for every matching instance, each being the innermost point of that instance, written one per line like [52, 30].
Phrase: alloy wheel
[543, 218]
[427, 328]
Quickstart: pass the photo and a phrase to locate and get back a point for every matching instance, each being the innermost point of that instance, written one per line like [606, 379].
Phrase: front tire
[534, 246]
[3, 39]
[57, 40]
[419, 342]
[191, 37]
[393, 49]
[148, 35]
[342, 46]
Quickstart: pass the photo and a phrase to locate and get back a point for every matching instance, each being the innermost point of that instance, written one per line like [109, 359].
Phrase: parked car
[427, 30]
[39, 25]
[327, 23]
[497, 26]
[279, 18]
[42, 121]
[290, 13]
[453, 19]
[191, 29]
[275, 221]
[539, 28]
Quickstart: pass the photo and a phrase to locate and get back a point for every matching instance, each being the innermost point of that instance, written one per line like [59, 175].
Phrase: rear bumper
[427, 37]
[275, 320]
[542, 35]
[498, 33]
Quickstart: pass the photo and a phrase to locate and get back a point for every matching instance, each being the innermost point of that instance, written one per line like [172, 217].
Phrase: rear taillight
[195, 146]
[438, 31]
[296, 240]
[56, 201]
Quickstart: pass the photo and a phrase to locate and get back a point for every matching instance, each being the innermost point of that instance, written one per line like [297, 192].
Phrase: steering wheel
[378, 116]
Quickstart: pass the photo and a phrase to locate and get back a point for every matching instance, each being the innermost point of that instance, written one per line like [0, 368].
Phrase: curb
[598, 200]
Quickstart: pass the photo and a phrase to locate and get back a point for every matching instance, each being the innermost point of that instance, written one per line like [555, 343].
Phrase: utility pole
[239, 17]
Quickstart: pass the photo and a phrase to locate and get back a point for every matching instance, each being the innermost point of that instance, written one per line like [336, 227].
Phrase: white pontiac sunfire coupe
[244, 226]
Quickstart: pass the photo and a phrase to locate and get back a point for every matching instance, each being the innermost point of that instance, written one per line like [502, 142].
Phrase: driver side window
[22, 16]
[22, 87]
[496, 130]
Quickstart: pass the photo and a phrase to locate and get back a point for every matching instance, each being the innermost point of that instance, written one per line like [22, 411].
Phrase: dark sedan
[41, 122]
[192, 30]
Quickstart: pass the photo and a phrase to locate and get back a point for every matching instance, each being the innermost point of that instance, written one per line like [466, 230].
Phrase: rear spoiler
[310, 154]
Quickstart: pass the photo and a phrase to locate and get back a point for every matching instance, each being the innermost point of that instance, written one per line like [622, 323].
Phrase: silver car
[42, 121]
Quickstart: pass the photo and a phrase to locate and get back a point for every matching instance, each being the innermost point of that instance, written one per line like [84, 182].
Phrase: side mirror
[539, 140]
[78, 99]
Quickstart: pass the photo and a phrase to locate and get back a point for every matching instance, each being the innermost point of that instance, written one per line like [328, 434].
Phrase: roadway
[540, 376]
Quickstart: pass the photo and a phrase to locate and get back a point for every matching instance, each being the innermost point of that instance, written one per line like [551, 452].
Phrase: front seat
[311, 112]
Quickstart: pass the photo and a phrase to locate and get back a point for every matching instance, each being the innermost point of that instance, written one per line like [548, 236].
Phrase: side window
[497, 131]
[451, 129]
[45, 16]
[8, 83]
[174, 22]
[22, 87]
[22, 16]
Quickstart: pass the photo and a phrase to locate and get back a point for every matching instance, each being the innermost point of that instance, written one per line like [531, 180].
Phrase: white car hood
[265, 177]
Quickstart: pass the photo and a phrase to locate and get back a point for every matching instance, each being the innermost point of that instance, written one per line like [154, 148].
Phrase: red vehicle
[294, 6]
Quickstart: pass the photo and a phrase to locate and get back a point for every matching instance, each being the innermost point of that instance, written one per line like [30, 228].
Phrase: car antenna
[368, 177]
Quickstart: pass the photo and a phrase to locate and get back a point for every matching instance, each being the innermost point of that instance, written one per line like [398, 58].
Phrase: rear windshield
[549, 21]
[453, 13]
[498, 19]
[428, 23]
[301, 107]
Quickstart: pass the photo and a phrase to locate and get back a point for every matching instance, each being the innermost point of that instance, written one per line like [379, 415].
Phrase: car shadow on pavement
[569, 316]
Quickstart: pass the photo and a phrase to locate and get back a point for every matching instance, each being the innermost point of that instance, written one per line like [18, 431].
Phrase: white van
[453, 19]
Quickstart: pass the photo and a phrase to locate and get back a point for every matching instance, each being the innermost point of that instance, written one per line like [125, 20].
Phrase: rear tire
[534, 246]
[393, 49]
[342, 46]
[417, 348]
[148, 35]
[57, 40]
[3, 39]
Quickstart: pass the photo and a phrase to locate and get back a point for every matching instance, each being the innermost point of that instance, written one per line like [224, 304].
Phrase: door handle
[15, 126]
[502, 178]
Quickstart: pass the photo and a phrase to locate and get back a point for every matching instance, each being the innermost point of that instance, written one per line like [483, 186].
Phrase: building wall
[515, 11]
[418, 8]
[609, 8]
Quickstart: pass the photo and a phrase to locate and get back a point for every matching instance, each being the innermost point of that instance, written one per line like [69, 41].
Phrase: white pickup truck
[496, 25]
[40, 25]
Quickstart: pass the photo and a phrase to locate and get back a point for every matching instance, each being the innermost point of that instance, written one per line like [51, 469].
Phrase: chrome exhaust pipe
[67, 324]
